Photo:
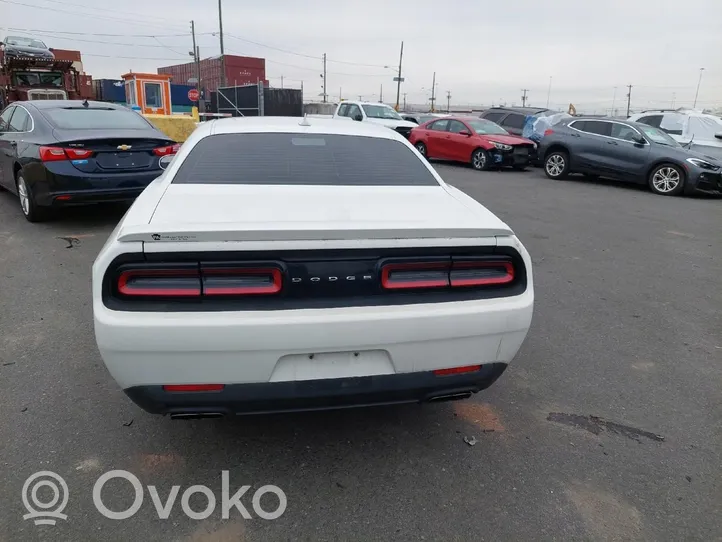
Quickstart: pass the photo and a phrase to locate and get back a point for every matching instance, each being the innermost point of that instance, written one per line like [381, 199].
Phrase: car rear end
[308, 288]
[99, 154]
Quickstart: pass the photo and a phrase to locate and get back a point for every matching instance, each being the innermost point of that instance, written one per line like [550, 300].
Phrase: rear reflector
[548, 131]
[193, 387]
[481, 273]
[415, 275]
[160, 282]
[242, 281]
[457, 370]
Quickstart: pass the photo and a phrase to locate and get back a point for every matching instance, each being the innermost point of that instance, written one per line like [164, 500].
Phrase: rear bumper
[259, 347]
[62, 185]
[261, 398]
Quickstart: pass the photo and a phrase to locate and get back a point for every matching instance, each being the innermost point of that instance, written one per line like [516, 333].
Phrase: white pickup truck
[376, 113]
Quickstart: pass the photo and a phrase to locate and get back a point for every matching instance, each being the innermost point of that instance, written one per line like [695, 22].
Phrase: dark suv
[512, 119]
[627, 151]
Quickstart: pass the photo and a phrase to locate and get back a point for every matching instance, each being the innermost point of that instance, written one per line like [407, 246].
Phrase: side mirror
[639, 140]
[358, 116]
[165, 161]
[465, 133]
[718, 135]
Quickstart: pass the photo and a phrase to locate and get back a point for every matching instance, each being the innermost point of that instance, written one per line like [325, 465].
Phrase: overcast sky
[483, 52]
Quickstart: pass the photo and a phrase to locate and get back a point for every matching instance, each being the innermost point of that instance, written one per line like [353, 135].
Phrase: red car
[479, 142]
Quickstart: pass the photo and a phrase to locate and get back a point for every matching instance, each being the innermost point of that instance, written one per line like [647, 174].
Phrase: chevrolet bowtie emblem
[124, 147]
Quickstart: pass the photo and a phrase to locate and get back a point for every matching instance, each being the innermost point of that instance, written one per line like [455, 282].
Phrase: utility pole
[549, 92]
[223, 58]
[614, 99]
[381, 94]
[398, 79]
[196, 61]
[433, 93]
[629, 99]
[360, 98]
[324, 77]
[282, 81]
[404, 101]
[674, 97]
[698, 84]
[339, 94]
[448, 101]
[523, 96]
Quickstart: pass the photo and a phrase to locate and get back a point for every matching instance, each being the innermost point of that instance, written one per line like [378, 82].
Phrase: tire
[31, 211]
[480, 160]
[421, 147]
[556, 165]
[666, 180]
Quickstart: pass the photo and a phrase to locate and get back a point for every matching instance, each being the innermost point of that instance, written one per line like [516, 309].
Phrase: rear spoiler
[311, 232]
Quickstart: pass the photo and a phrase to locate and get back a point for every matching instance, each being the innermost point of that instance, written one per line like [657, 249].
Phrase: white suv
[700, 131]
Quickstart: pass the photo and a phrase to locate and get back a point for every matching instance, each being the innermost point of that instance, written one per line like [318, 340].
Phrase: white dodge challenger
[283, 264]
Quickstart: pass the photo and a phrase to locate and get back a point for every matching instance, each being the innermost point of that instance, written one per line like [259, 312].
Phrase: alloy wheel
[666, 179]
[555, 165]
[479, 160]
[24, 198]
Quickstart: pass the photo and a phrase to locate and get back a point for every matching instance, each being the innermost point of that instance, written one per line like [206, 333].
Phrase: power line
[48, 35]
[28, 30]
[75, 13]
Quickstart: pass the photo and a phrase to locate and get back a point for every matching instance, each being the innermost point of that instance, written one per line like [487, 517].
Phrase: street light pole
[398, 82]
[549, 92]
[698, 84]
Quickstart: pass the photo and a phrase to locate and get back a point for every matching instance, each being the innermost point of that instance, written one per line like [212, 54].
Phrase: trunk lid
[206, 212]
[119, 151]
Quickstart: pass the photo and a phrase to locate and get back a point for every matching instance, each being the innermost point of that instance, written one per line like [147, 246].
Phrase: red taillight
[193, 387]
[53, 154]
[457, 370]
[398, 276]
[169, 149]
[548, 131]
[57, 154]
[190, 281]
[241, 281]
[78, 154]
[160, 282]
[483, 273]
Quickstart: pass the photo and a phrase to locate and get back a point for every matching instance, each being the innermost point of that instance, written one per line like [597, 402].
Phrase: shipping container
[240, 70]
[109, 90]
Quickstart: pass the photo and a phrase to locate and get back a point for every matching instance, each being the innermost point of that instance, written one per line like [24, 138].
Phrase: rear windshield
[303, 159]
[81, 118]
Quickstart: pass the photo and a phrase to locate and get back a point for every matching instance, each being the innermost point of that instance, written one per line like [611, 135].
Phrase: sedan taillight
[168, 149]
[460, 273]
[194, 281]
[58, 154]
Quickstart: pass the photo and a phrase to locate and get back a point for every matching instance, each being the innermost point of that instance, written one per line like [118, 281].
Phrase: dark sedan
[628, 151]
[64, 152]
[20, 46]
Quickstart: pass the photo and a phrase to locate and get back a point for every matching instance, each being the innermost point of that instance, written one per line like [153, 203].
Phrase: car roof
[295, 125]
[61, 104]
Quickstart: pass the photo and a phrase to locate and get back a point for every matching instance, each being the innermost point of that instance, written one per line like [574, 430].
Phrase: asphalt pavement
[607, 426]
